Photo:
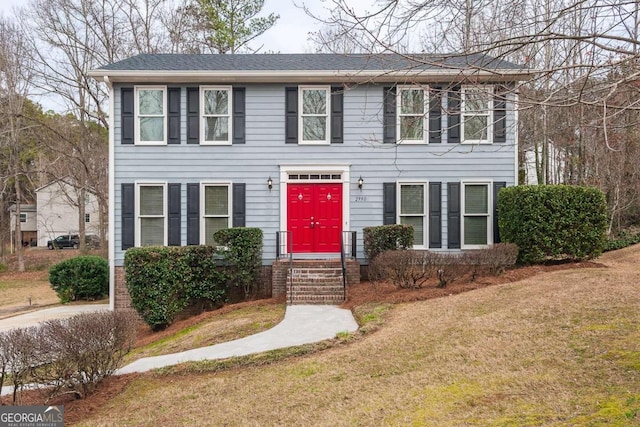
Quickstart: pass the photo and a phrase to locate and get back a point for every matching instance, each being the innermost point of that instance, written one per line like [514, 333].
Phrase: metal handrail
[284, 247]
[343, 262]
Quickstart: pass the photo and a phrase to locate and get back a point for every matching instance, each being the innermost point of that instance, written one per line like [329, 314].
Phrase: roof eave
[311, 76]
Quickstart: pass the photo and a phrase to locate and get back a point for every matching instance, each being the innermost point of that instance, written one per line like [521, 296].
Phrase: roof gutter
[312, 76]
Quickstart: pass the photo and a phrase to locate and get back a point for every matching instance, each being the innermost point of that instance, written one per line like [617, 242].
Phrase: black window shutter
[128, 215]
[127, 115]
[497, 186]
[453, 109]
[337, 114]
[453, 214]
[193, 115]
[435, 115]
[174, 237]
[193, 214]
[239, 115]
[389, 116]
[389, 203]
[499, 117]
[435, 215]
[239, 206]
[291, 115]
[173, 94]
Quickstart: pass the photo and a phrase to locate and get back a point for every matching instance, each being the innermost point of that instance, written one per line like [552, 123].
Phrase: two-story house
[307, 147]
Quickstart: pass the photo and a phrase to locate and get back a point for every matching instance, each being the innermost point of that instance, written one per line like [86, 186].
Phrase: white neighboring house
[28, 224]
[57, 215]
[555, 162]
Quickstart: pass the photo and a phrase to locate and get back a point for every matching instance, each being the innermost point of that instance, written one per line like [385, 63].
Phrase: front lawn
[560, 348]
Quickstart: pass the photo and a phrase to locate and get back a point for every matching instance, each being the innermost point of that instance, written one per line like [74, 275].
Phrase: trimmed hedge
[550, 222]
[386, 238]
[83, 277]
[242, 251]
[163, 281]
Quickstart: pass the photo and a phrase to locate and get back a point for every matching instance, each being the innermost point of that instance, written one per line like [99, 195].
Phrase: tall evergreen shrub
[551, 222]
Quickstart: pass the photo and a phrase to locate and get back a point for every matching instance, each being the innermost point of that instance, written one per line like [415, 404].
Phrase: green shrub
[386, 238]
[83, 277]
[550, 222]
[241, 248]
[163, 281]
[623, 240]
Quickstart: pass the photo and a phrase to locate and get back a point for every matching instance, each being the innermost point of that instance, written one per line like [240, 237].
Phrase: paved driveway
[34, 317]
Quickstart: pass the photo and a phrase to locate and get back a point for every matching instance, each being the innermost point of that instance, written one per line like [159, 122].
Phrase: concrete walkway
[302, 324]
[37, 316]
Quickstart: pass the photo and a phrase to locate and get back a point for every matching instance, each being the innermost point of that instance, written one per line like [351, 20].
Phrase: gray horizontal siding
[252, 163]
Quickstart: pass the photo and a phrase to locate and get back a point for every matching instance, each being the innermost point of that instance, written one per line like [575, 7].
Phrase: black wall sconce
[269, 183]
[360, 182]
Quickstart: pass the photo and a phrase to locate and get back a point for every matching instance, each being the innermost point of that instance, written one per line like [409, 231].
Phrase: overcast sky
[289, 35]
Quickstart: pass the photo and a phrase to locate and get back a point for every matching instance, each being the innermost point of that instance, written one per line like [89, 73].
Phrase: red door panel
[314, 217]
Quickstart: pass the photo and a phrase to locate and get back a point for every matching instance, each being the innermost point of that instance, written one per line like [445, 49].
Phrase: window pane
[476, 199]
[412, 101]
[216, 129]
[314, 128]
[476, 99]
[151, 231]
[314, 101]
[411, 127]
[216, 201]
[475, 128]
[151, 200]
[418, 228]
[150, 102]
[216, 102]
[151, 128]
[411, 199]
[475, 230]
[211, 225]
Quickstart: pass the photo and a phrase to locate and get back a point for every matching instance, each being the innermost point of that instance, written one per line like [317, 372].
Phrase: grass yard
[17, 291]
[557, 349]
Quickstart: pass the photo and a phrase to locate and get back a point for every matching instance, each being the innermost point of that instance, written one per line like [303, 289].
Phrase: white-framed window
[215, 208]
[87, 217]
[477, 114]
[411, 105]
[477, 225]
[314, 122]
[23, 217]
[151, 214]
[216, 121]
[151, 117]
[412, 210]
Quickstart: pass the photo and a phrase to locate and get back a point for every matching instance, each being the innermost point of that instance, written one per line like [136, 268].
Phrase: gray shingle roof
[308, 62]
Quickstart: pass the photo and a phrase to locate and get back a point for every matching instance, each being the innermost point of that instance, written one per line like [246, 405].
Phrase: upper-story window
[23, 217]
[313, 125]
[412, 114]
[477, 111]
[216, 111]
[150, 120]
[151, 214]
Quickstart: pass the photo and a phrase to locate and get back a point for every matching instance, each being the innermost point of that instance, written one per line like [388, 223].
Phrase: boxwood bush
[242, 251]
[163, 281]
[550, 222]
[386, 238]
[83, 277]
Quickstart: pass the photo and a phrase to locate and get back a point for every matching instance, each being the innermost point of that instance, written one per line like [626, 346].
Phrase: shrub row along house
[308, 147]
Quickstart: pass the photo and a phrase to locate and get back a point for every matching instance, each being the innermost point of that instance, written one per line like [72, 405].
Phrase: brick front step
[315, 282]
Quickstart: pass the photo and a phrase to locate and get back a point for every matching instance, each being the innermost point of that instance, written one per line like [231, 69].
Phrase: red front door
[314, 216]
